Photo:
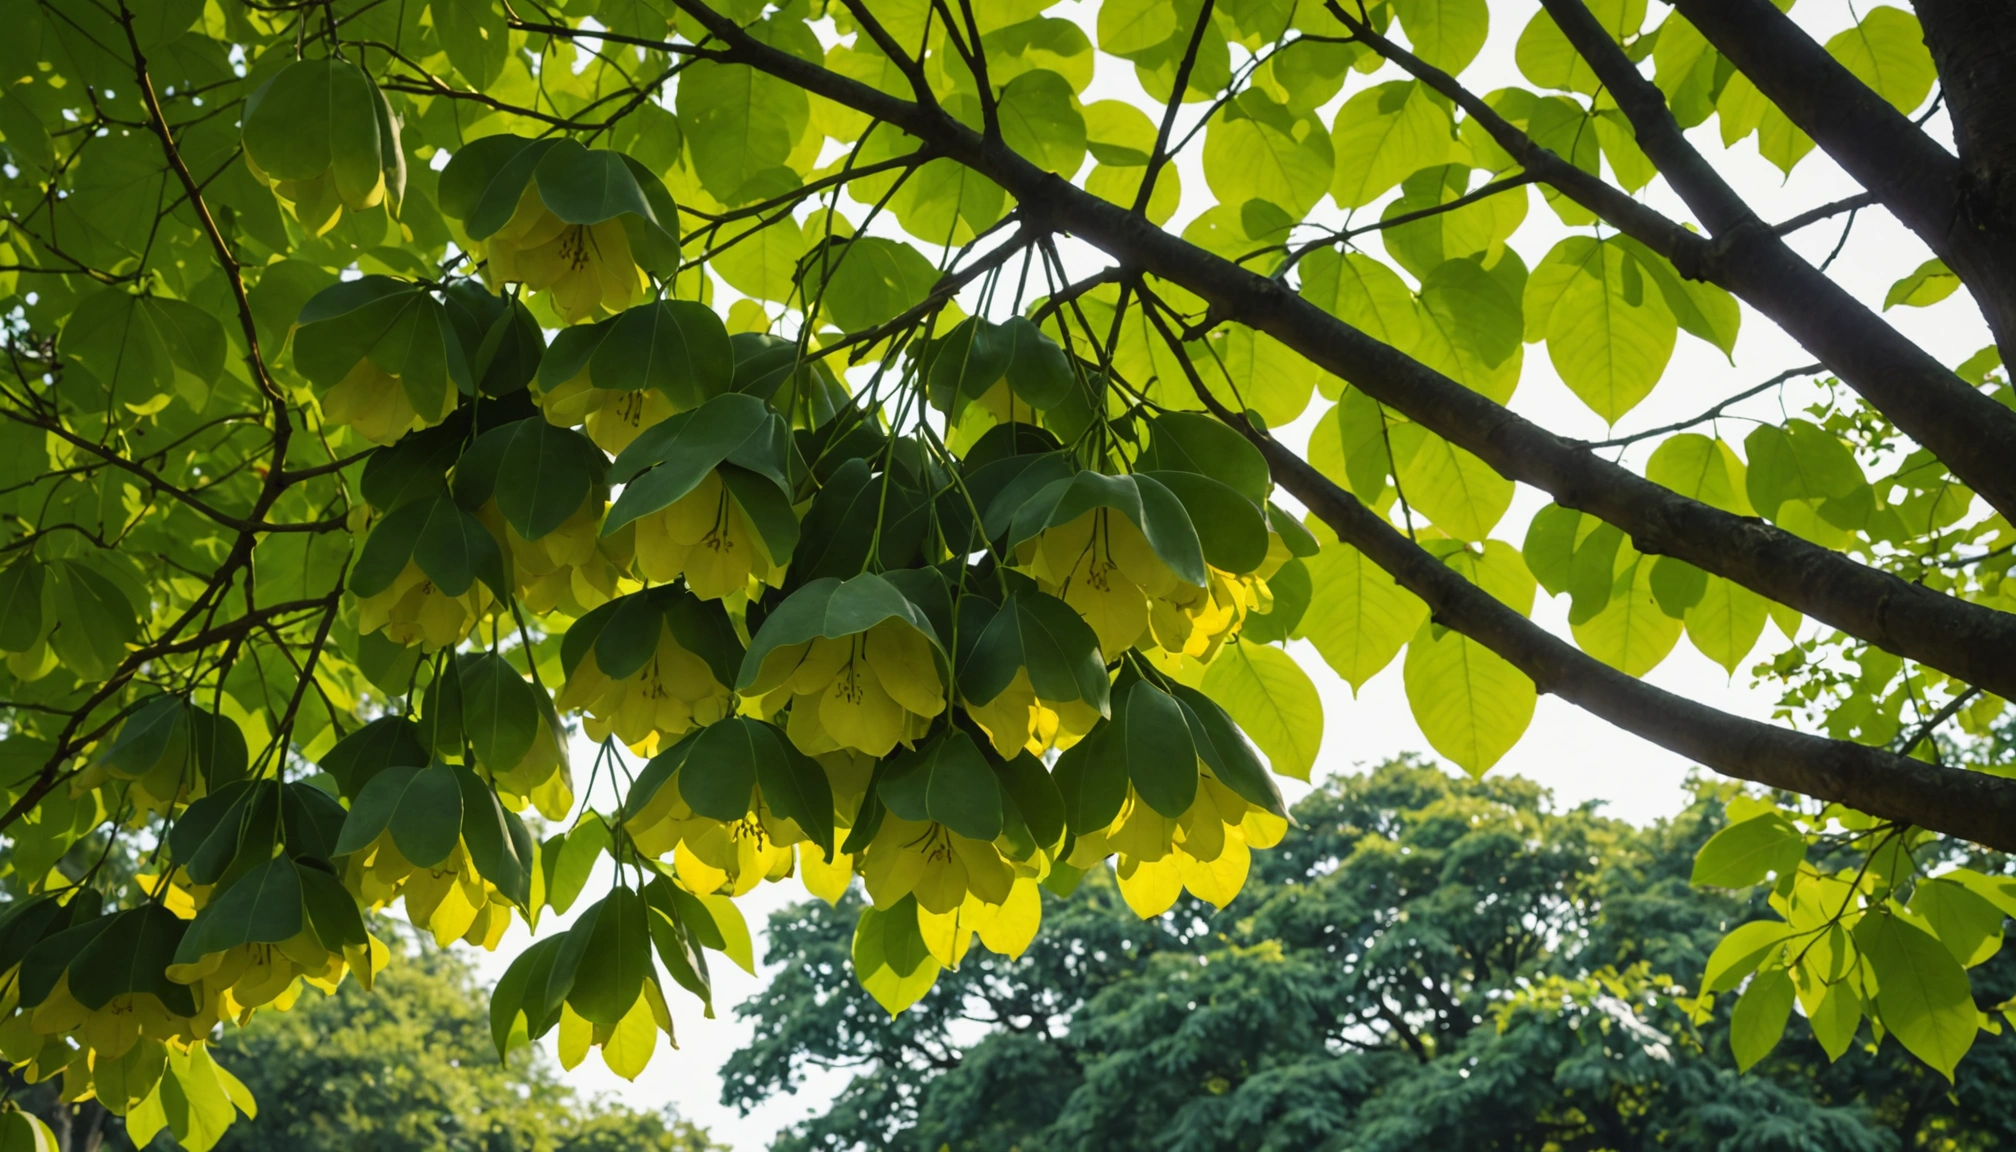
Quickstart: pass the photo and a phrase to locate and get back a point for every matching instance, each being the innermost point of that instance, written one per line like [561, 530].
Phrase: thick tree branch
[1920, 182]
[1973, 643]
[1874, 142]
[1973, 45]
[1967, 430]
[1970, 805]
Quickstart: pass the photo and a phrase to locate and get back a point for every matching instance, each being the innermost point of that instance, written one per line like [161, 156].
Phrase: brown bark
[1936, 629]
[1940, 198]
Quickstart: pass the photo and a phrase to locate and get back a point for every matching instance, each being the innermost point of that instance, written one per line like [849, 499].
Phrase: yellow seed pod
[580, 226]
[587, 268]
[935, 864]
[411, 610]
[650, 667]
[706, 537]
[322, 135]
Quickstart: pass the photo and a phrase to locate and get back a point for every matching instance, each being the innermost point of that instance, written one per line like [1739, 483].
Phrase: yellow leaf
[632, 1041]
[576, 1035]
[1217, 881]
[1150, 887]
[1013, 926]
[828, 880]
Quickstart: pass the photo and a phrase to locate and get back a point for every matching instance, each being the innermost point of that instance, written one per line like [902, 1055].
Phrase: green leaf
[1928, 284]
[94, 620]
[1027, 786]
[1274, 702]
[1609, 332]
[1887, 52]
[544, 476]
[1358, 617]
[679, 347]
[1740, 952]
[1479, 229]
[521, 995]
[139, 348]
[719, 772]
[1092, 778]
[1798, 461]
[1363, 293]
[1969, 926]
[947, 781]
[605, 957]
[477, 42]
[1189, 442]
[1702, 309]
[1922, 994]
[1459, 493]
[401, 328]
[1701, 469]
[1291, 589]
[967, 362]
[263, 907]
[1253, 371]
[455, 550]
[1470, 325]
[864, 282]
[1471, 704]
[890, 958]
[1038, 371]
[1152, 507]
[131, 955]
[1445, 33]
[1726, 622]
[1149, 731]
[1256, 149]
[1547, 59]
[1746, 853]
[1226, 752]
[1382, 136]
[427, 823]
[832, 608]
[317, 116]
[1231, 528]
[1037, 632]
[1633, 632]
[1759, 1018]
[675, 940]
[500, 711]
[796, 788]
[573, 859]
[20, 605]
[670, 459]
[1130, 26]
[1040, 121]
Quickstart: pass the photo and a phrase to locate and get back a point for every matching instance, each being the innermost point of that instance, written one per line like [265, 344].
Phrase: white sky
[1578, 756]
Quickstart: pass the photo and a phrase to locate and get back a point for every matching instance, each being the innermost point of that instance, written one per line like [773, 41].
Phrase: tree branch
[1966, 429]
[1970, 805]
[1968, 641]
[1717, 410]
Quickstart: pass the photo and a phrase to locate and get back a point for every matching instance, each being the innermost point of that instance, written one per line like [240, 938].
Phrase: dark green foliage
[410, 1067]
[1423, 963]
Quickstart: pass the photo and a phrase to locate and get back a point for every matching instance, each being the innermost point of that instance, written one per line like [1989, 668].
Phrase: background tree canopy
[406, 1067]
[1423, 962]
[858, 419]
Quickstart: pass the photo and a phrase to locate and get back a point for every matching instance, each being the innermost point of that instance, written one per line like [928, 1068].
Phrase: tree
[407, 1066]
[411, 1065]
[393, 387]
[1423, 962]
